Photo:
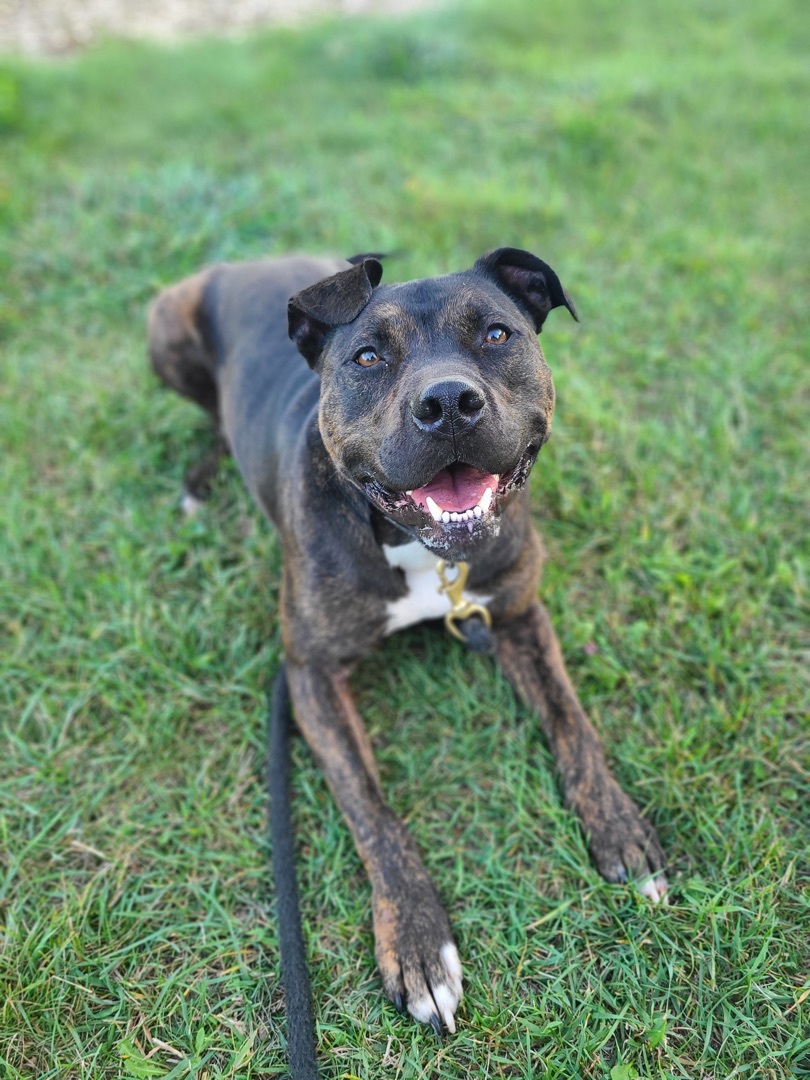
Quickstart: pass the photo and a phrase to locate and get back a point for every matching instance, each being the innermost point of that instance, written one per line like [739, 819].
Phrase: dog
[394, 466]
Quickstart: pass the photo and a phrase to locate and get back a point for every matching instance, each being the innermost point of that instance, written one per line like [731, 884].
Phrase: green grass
[656, 155]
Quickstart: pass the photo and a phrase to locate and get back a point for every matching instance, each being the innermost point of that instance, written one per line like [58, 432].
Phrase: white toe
[443, 998]
[446, 1002]
[452, 964]
[654, 888]
[189, 505]
[422, 1008]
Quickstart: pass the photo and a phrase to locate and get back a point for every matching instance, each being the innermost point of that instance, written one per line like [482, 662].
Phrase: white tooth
[435, 511]
[486, 499]
[446, 516]
[454, 516]
[477, 511]
[409, 492]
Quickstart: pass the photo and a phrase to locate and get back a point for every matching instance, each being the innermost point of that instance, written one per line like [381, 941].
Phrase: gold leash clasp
[460, 607]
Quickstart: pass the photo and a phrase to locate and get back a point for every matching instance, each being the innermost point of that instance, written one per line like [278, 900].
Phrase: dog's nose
[448, 408]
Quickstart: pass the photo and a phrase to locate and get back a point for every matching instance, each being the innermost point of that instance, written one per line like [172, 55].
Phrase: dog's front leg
[415, 953]
[623, 844]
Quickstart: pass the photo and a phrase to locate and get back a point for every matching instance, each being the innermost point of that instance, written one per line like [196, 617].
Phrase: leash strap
[294, 971]
[476, 633]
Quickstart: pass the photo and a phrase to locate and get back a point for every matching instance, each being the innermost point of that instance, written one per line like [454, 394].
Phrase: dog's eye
[496, 335]
[367, 358]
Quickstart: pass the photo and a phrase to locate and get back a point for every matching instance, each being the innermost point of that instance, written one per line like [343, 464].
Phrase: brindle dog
[407, 440]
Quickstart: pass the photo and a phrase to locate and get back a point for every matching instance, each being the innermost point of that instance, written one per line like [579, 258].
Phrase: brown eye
[367, 358]
[496, 335]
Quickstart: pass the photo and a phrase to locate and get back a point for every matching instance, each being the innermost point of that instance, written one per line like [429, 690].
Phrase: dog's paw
[416, 956]
[190, 504]
[624, 845]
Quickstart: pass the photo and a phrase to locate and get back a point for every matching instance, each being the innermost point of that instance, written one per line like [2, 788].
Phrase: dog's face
[435, 396]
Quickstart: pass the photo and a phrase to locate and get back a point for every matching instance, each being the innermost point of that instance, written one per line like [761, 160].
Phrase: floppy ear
[530, 282]
[336, 300]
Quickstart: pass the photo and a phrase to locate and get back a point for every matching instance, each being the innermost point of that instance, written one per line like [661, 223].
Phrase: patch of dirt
[57, 27]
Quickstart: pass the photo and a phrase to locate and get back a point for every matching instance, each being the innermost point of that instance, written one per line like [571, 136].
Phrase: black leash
[294, 971]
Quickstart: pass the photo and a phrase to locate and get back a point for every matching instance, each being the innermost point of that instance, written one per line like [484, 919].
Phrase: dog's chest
[423, 600]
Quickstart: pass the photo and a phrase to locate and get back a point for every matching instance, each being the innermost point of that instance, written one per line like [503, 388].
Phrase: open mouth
[459, 493]
[457, 500]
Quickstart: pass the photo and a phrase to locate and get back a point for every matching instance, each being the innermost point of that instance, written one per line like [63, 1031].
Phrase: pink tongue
[459, 489]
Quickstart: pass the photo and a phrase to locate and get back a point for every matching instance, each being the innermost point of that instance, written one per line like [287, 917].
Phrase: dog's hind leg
[199, 478]
[181, 356]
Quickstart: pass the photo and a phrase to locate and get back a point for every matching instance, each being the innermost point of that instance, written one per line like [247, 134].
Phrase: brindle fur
[220, 338]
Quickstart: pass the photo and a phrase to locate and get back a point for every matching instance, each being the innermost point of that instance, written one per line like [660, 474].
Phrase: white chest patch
[423, 599]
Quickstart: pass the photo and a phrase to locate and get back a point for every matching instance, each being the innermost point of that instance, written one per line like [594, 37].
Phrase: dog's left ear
[318, 309]
[530, 282]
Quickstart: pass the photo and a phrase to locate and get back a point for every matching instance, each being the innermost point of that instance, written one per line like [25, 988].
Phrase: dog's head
[435, 396]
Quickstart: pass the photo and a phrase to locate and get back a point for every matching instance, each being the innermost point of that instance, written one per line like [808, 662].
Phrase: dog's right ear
[318, 309]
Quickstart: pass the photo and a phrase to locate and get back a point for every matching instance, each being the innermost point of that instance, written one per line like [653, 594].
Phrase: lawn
[657, 156]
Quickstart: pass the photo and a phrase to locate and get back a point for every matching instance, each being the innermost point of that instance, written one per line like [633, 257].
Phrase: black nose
[448, 408]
